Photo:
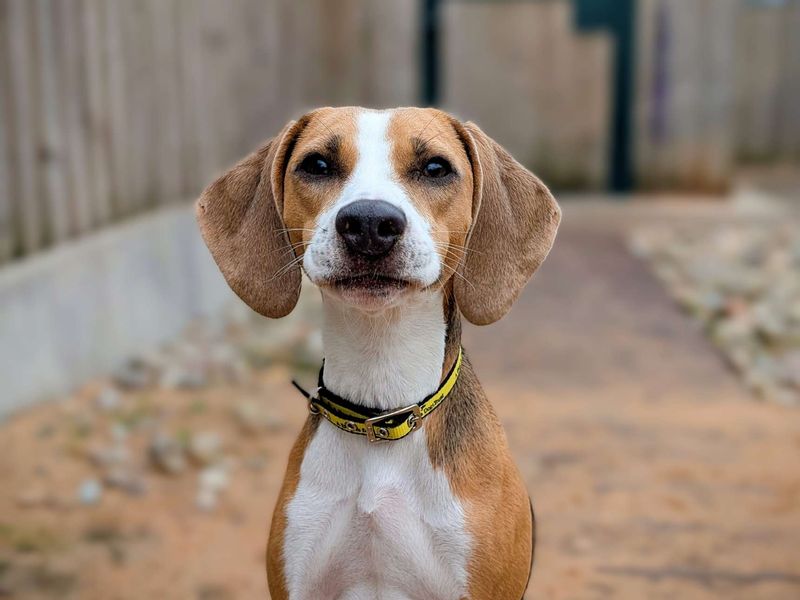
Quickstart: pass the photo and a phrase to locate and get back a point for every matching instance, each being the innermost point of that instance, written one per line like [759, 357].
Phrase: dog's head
[378, 206]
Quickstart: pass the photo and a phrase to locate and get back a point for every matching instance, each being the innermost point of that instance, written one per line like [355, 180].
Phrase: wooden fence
[522, 72]
[111, 107]
[684, 108]
[767, 99]
[718, 83]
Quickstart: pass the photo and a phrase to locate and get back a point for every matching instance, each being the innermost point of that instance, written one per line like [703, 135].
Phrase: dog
[400, 484]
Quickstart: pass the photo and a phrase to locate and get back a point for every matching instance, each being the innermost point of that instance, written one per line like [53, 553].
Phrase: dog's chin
[371, 292]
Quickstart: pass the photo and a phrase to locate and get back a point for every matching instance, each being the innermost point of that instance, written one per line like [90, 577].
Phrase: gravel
[90, 492]
[167, 454]
[255, 417]
[205, 447]
[152, 415]
[743, 282]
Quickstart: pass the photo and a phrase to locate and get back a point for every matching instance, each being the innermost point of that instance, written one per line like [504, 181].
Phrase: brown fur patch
[239, 218]
[330, 132]
[466, 440]
[418, 135]
[514, 228]
[275, 568]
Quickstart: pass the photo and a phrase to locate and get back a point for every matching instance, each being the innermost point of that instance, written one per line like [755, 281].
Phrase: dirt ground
[654, 473]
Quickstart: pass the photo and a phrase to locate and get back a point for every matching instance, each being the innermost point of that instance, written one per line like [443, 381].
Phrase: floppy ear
[515, 219]
[240, 219]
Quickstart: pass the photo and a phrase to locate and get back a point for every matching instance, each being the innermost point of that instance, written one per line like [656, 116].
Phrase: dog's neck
[390, 359]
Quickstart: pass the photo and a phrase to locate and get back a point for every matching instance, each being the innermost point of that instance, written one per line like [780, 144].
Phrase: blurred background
[648, 379]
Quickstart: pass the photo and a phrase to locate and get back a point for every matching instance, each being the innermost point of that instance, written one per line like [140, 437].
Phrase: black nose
[370, 227]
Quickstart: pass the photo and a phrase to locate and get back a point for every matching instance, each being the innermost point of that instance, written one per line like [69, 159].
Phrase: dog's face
[379, 206]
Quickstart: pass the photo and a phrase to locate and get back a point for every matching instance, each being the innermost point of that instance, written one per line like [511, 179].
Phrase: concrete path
[654, 473]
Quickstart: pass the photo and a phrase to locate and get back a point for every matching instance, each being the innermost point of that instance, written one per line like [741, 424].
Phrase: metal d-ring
[413, 421]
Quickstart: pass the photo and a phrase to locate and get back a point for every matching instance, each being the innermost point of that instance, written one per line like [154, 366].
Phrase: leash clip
[312, 408]
[376, 433]
[310, 397]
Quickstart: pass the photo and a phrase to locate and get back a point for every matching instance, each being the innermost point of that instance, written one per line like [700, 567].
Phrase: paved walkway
[654, 473]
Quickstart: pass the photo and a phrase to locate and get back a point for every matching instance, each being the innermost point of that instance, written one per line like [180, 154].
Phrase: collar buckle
[377, 430]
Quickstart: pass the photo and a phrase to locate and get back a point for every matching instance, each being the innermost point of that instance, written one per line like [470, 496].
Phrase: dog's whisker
[451, 253]
[290, 248]
[460, 249]
[464, 249]
[433, 137]
[458, 274]
[449, 245]
[425, 128]
[326, 126]
[286, 268]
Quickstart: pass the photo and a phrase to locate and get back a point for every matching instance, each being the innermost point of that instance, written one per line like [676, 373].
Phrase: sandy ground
[654, 473]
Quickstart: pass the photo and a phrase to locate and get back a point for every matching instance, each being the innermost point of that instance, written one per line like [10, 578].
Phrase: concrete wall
[82, 309]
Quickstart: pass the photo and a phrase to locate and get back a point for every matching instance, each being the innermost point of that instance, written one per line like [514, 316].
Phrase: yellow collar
[378, 426]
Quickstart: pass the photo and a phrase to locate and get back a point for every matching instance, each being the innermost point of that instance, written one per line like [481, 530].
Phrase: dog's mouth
[371, 291]
[371, 282]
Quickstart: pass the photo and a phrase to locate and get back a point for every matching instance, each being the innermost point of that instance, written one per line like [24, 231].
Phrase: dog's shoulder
[275, 561]
[467, 442]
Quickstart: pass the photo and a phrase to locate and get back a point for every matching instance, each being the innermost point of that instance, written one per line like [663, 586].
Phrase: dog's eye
[315, 164]
[436, 168]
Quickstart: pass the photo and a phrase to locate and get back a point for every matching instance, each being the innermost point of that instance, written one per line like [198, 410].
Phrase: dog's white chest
[373, 522]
